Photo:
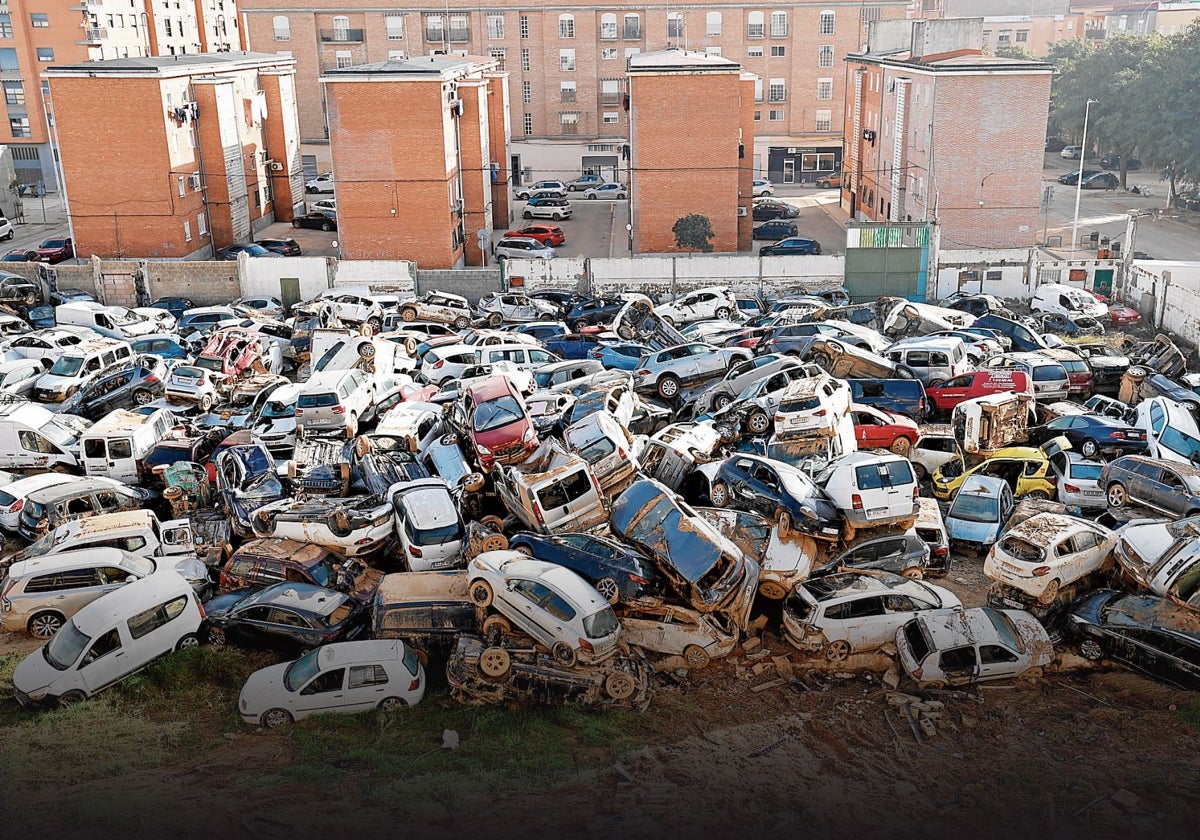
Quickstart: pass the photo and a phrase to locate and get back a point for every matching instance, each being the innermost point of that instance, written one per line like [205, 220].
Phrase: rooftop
[189, 64]
[680, 61]
[417, 68]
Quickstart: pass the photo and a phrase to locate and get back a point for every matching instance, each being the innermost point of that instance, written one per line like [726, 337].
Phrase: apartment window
[201, 224]
[824, 120]
[187, 230]
[283, 27]
[528, 124]
[566, 92]
[14, 93]
[460, 29]
[524, 60]
[570, 122]
[38, 21]
[758, 116]
[167, 29]
[182, 185]
[756, 25]
[867, 14]
[712, 24]
[500, 54]
[825, 27]
[824, 88]
[434, 29]
[758, 89]
[779, 27]
[343, 58]
[566, 26]
[712, 50]
[633, 27]
[610, 91]
[608, 52]
[754, 52]
[611, 117]
[608, 27]
[566, 61]
[675, 25]
[527, 92]
[395, 27]
[45, 54]
[525, 27]
[341, 28]
[6, 26]
[495, 24]
[778, 51]
[1023, 36]
[1005, 37]
[777, 92]
[825, 56]
[775, 115]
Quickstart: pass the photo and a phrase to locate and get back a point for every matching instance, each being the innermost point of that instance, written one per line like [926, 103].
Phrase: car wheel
[206, 402]
[696, 656]
[274, 718]
[901, 446]
[936, 685]
[1090, 649]
[495, 662]
[462, 322]
[263, 523]
[295, 223]
[527, 215]
[837, 651]
[921, 472]
[495, 319]
[772, 590]
[190, 640]
[1117, 497]
[492, 523]
[11, 233]
[564, 654]
[481, 593]
[668, 387]
[821, 360]
[495, 626]
[619, 686]
[325, 226]
[590, 196]
[719, 494]
[914, 573]
[391, 704]
[1037, 494]
[723, 313]
[936, 383]
[1090, 448]
[408, 314]
[44, 625]
[621, 196]
[608, 589]
[1049, 593]
[720, 401]
[524, 549]
[142, 397]
[216, 637]
[472, 482]
[758, 422]
[70, 698]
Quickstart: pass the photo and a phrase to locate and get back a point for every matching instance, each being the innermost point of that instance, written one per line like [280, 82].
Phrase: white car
[428, 526]
[325, 205]
[1067, 300]
[13, 495]
[1163, 557]
[18, 377]
[344, 678]
[355, 306]
[417, 423]
[164, 321]
[813, 404]
[848, 612]
[350, 527]
[442, 364]
[1171, 430]
[191, 384]
[45, 345]
[617, 191]
[323, 183]
[555, 606]
[521, 378]
[513, 307]
[762, 187]
[871, 490]
[938, 648]
[1077, 480]
[259, 305]
[6, 229]
[523, 247]
[699, 305]
[1044, 554]
[276, 425]
[439, 307]
[677, 631]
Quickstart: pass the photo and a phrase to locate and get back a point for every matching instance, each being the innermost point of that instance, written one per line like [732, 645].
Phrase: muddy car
[428, 610]
[354, 527]
[531, 676]
[1160, 355]
[991, 422]
[673, 452]
[319, 466]
[1163, 557]
[785, 558]
[268, 561]
[899, 318]
[670, 630]
[246, 480]
[845, 361]
[438, 307]
[637, 321]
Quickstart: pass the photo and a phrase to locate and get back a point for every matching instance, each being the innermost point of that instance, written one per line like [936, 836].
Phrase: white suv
[523, 247]
[335, 400]
[522, 193]
[428, 525]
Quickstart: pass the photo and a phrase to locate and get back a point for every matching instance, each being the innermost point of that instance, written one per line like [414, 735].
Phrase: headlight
[483, 450]
[528, 436]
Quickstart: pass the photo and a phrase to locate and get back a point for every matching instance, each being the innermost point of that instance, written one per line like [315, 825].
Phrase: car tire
[901, 446]
[609, 590]
[590, 197]
[43, 625]
[920, 471]
[462, 322]
[619, 685]
[758, 422]
[70, 698]
[216, 637]
[621, 196]
[837, 651]
[564, 654]
[495, 663]
[668, 387]
[141, 397]
[527, 215]
[696, 657]
[481, 593]
[1090, 650]
[275, 718]
[206, 402]
[1049, 593]
[493, 523]
[1117, 495]
[557, 217]
[189, 640]
[718, 494]
[497, 624]
[325, 226]
[495, 320]
[720, 401]
[1090, 448]
[295, 223]
[772, 590]
[1037, 494]
[936, 685]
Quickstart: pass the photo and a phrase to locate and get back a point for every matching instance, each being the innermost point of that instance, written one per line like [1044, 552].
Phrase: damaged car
[940, 648]
[670, 630]
[618, 573]
[776, 490]
[1163, 557]
[354, 527]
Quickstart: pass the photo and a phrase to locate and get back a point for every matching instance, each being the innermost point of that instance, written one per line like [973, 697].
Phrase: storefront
[802, 165]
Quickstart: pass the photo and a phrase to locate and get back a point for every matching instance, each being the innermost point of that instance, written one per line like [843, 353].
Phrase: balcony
[342, 36]
[11, 75]
[92, 36]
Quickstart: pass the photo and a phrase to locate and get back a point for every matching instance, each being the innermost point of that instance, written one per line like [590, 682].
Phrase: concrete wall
[471, 283]
[382, 275]
[261, 277]
[1049, 268]
[1168, 295]
[1003, 272]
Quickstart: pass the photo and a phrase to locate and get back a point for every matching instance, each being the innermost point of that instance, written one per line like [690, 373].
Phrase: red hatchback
[498, 423]
[977, 383]
[546, 234]
[875, 429]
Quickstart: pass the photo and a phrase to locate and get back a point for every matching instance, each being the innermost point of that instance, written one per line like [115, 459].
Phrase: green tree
[693, 232]
[1014, 51]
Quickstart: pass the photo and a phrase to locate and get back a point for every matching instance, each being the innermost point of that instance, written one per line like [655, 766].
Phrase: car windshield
[601, 624]
[1005, 629]
[210, 363]
[300, 672]
[666, 531]
[497, 413]
[275, 409]
[973, 507]
[66, 366]
[65, 648]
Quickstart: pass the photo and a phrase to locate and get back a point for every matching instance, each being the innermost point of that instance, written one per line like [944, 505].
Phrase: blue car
[620, 574]
[163, 346]
[979, 512]
[1091, 434]
[620, 356]
[175, 305]
[540, 330]
[289, 615]
[792, 246]
[571, 346]
[594, 311]
[41, 317]
[246, 480]
[778, 491]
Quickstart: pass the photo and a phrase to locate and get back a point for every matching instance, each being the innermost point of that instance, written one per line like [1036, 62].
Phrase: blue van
[899, 396]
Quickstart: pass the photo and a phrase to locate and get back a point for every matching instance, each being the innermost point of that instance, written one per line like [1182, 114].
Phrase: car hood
[982, 533]
[34, 674]
[189, 565]
[264, 689]
[220, 605]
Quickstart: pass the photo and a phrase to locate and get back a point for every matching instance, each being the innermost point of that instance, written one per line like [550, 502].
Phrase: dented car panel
[991, 422]
[677, 631]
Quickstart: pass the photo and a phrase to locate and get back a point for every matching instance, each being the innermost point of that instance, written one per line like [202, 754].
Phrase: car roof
[75, 558]
[306, 597]
[86, 484]
[357, 653]
[1046, 528]
[98, 616]
[954, 627]
[307, 555]
[982, 484]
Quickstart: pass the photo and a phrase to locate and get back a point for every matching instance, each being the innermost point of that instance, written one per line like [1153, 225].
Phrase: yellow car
[1025, 468]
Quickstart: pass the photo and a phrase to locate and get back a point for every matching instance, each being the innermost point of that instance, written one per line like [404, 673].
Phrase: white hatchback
[428, 525]
[1047, 552]
[344, 678]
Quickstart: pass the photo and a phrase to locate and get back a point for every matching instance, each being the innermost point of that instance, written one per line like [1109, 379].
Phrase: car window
[326, 682]
[956, 659]
[362, 676]
[532, 590]
[106, 644]
[287, 618]
[990, 654]
[858, 608]
[152, 619]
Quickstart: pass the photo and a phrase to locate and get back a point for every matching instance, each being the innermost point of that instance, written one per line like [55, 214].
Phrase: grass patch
[1191, 714]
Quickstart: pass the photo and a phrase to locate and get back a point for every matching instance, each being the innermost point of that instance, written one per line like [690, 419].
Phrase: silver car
[1078, 480]
[499, 307]
[523, 247]
[667, 372]
[738, 377]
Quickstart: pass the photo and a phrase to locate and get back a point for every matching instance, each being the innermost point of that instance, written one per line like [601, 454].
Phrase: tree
[1014, 51]
[693, 232]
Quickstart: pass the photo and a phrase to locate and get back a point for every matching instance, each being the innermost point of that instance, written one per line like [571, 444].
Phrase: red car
[55, 251]
[977, 383]
[1122, 315]
[546, 234]
[875, 429]
[498, 423]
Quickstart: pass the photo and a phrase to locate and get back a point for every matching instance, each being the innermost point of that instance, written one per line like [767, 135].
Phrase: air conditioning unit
[194, 180]
[276, 165]
[742, 211]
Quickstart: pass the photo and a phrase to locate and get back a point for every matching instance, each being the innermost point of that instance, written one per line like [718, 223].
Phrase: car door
[869, 431]
[1173, 493]
[525, 598]
[864, 621]
[366, 685]
[952, 391]
[121, 463]
[105, 661]
[959, 664]
[251, 625]
[997, 661]
[326, 692]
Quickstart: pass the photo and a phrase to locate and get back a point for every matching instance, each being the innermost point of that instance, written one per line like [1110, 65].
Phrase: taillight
[152, 379]
[1070, 488]
[1118, 435]
[415, 684]
[414, 551]
[917, 674]
[203, 614]
[820, 413]
[11, 583]
[439, 363]
[537, 512]
[17, 505]
[916, 494]
[586, 645]
[339, 409]
[856, 501]
[363, 541]
[639, 580]
[643, 372]
[941, 551]
[1041, 571]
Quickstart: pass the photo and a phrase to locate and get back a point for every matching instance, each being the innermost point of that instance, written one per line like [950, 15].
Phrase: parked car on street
[614, 191]
[549, 235]
[523, 247]
[316, 220]
[791, 246]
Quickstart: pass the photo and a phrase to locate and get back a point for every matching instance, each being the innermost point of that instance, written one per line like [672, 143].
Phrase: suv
[523, 247]
[138, 383]
[584, 182]
[1050, 379]
[335, 399]
[792, 246]
[523, 193]
[546, 207]
[667, 371]
[439, 307]
[871, 490]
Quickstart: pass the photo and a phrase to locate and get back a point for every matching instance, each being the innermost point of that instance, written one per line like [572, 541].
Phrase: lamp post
[1079, 179]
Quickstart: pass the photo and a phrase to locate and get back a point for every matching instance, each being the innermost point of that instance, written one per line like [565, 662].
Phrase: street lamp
[1079, 178]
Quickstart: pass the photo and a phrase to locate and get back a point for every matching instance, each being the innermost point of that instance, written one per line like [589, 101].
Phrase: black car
[777, 490]
[175, 305]
[776, 230]
[976, 306]
[317, 220]
[1114, 162]
[905, 554]
[230, 254]
[768, 209]
[564, 300]
[1069, 178]
[15, 289]
[134, 384]
[1091, 434]
[792, 246]
[617, 572]
[285, 247]
[287, 615]
[1145, 632]
[594, 311]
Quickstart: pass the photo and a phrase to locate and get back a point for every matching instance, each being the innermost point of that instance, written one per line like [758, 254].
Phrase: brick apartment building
[420, 148]
[567, 67]
[177, 156]
[38, 33]
[937, 131]
[691, 120]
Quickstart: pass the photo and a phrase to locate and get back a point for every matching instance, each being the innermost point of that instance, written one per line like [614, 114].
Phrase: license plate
[1009, 602]
[1092, 493]
[876, 511]
[829, 530]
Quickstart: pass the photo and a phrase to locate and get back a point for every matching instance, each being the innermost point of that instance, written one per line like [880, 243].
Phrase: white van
[934, 360]
[77, 365]
[109, 321]
[115, 446]
[34, 438]
[871, 490]
[1066, 300]
[110, 639]
[552, 491]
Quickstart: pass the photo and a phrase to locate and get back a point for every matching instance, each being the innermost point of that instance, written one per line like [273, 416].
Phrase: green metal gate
[889, 260]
